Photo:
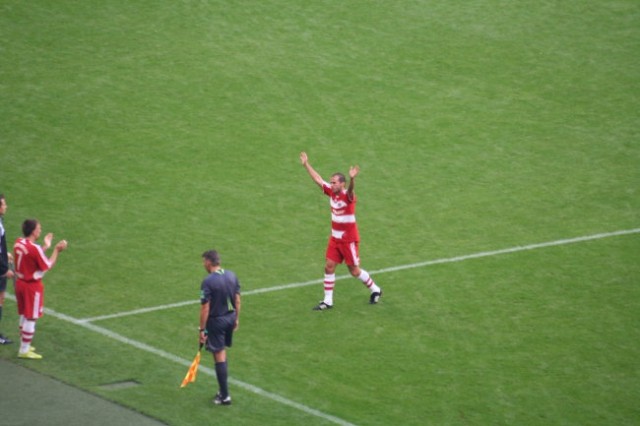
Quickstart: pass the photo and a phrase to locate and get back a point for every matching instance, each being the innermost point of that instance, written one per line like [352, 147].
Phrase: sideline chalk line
[380, 271]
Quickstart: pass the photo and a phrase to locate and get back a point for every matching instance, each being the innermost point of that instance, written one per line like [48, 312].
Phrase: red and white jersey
[343, 215]
[31, 261]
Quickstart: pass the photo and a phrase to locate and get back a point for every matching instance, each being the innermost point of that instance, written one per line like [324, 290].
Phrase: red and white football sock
[329, 284]
[28, 330]
[368, 282]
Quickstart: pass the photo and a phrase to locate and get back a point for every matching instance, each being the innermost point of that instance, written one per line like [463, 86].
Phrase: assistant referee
[219, 317]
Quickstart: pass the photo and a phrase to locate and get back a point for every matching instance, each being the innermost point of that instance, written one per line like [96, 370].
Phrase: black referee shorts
[220, 332]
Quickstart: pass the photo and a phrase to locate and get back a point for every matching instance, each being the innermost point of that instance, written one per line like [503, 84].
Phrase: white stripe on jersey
[337, 234]
[43, 256]
[339, 204]
[346, 218]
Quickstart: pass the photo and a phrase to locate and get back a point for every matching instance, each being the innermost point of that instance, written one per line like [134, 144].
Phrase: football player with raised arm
[344, 241]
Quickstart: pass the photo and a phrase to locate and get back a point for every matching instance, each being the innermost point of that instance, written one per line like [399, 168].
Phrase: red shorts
[346, 252]
[30, 299]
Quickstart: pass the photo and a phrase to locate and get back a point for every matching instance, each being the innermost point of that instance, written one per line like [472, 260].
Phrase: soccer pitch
[498, 203]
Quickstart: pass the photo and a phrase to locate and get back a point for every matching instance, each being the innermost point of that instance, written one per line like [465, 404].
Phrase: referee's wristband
[203, 330]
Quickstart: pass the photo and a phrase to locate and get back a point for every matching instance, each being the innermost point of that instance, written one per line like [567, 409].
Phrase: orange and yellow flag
[193, 370]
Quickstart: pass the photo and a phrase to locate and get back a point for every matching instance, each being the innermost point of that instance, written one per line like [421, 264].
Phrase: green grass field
[147, 132]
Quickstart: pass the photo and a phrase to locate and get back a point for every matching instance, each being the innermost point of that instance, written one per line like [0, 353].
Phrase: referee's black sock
[221, 374]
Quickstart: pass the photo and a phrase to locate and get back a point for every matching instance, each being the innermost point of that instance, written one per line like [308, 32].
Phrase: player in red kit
[344, 240]
[31, 263]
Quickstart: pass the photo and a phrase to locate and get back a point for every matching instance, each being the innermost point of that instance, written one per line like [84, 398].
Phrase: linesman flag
[193, 370]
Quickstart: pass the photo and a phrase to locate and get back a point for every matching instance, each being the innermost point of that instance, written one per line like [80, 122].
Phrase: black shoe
[219, 400]
[5, 340]
[375, 297]
[322, 307]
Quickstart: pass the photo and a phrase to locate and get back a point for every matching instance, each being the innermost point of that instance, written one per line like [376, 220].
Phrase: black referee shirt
[219, 289]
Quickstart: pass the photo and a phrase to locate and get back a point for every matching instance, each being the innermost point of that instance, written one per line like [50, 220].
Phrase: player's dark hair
[340, 177]
[2, 197]
[28, 226]
[212, 256]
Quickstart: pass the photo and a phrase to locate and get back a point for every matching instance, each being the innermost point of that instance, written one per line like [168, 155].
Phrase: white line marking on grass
[385, 270]
[186, 363]
[510, 250]
[139, 311]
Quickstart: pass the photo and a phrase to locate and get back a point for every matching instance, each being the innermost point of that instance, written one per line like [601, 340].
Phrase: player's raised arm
[353, 172]
[304, 159]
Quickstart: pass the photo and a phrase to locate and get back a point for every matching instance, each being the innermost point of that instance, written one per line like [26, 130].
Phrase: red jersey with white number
[343, 215]
[31, 261]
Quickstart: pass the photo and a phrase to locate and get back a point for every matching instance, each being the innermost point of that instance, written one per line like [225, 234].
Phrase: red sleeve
[326, 188]
[43, 261]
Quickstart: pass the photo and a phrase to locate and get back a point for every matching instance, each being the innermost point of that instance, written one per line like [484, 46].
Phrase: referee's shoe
[219, 400]
[5, 340]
